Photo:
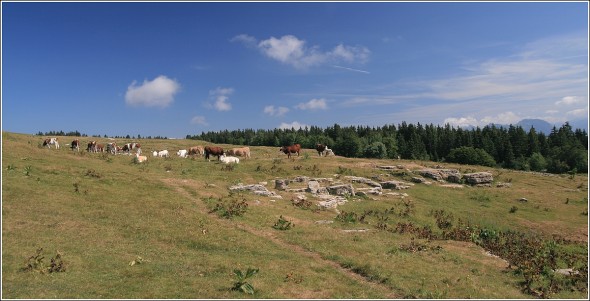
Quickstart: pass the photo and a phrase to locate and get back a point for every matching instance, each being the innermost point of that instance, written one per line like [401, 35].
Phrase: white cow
[182, 153]
[328, 152]
[162, 154]
[51, 141]
[228, 159]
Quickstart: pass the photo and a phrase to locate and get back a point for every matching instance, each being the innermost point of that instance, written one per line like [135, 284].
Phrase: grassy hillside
[171, 228]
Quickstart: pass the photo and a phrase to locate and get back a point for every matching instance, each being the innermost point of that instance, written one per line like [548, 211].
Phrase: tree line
[563, 150]
[78, 134]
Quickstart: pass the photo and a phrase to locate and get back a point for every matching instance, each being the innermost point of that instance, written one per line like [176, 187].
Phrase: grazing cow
[240, 151]
[99, 148]
[140, 158]
[51, 141]
[196, 150]
[328, 152]
[130, 146]
[320, 148]
[229, 159]
[112, 148]
[75, 145]
[182, 153]
[291, 149]
[91, 146]
[213, 150]
[162, 154]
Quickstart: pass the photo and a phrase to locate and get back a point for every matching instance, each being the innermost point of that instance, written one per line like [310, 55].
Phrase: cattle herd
[229, 156]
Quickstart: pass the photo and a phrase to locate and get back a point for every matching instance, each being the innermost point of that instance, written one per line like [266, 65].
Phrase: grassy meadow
[170, 228]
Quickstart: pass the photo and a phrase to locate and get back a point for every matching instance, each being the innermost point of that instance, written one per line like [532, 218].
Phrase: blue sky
[172, 69]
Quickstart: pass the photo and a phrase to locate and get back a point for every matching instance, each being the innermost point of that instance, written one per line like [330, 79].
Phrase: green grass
[102, 212]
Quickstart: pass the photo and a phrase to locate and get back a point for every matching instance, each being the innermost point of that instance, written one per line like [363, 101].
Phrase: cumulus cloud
[502, 118]
[462, 121]
[578, 113]
[293, 51]
[570, 100]
[199, 120]
[156, 93]
[220, 97]
[295, 124]
[272, 111]
[314, 104]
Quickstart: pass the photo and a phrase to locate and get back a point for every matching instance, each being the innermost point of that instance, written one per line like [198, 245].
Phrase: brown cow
[91, 146]
[291, 149]
[75, 145]
[196, 150]
[213, 150]
[240, 151]
[99, 148]
[320, 148]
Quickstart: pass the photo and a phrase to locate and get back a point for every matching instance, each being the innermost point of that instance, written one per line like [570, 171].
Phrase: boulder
[478, 178]
[330, 201]
[430, 173]
[343, 189]
[395, 185]
[363, 181]
[255, 188]
[281, 184]
[313, 186]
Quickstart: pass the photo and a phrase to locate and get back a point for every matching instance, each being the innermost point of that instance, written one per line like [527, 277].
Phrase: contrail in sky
[350, 69]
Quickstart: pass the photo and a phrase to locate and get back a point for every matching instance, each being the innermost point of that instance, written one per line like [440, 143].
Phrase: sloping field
[172, 228]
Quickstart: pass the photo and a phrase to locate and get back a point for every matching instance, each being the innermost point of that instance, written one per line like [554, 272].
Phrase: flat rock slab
[477, 178]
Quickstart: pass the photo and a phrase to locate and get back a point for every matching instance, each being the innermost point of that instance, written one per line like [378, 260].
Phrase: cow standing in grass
[240, 151]
[291, 149]
[320, 148]
[75, 145]
[213, 150]
[51, 141]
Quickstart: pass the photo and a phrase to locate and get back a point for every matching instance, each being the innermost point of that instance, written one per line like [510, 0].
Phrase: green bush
[470, 155]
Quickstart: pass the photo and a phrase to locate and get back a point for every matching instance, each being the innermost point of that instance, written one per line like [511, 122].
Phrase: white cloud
[272, 111]
[199, 120]
[314, 104]
[244, 38]
[570, 100]
[296, 125]
[462, 121]
[290, 50]
[156, 93]
[502, 118]
[578, 113]
[220, 96]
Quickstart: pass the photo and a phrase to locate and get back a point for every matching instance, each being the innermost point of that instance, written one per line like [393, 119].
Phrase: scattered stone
[431, 174]
[263, 183]
[523, 200]
[566, 272]
[355, 230]
[418, 179]
[397, 194]
[452, 186]
[324, 222]
[395, 185]
[363, 181]
[281, 184]
[313, 186]
[302, 179]
[295, 189]
[256, 189]
[331, 201]
[343, 189]
[504, 185]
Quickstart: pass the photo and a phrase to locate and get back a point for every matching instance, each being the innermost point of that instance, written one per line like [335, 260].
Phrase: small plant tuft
[283, 224]
[241, 284]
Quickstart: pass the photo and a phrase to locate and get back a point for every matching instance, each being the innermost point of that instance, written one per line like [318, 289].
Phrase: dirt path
[385, 290]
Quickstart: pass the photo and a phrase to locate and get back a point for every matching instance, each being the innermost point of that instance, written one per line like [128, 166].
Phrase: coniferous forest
[563, 150]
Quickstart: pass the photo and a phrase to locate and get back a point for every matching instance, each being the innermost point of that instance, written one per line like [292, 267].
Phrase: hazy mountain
[540, 125]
